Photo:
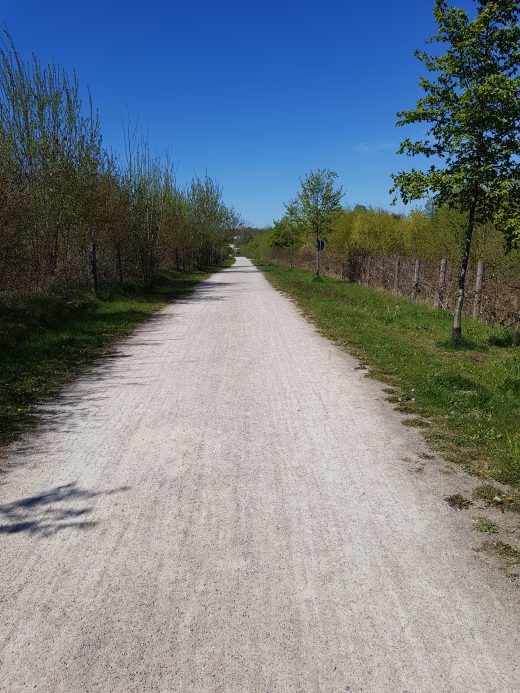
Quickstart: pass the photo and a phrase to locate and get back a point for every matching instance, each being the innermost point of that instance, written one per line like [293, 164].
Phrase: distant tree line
[71, 212]
[431, 233]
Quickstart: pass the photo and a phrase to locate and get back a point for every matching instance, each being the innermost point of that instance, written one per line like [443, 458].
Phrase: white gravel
[229, 505]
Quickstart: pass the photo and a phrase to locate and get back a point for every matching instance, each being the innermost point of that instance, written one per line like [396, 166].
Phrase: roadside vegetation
[71, 213]
[416, 256]
[375, 272]
[47, 340]
[469, 119]
[465, 395]
[90, 245]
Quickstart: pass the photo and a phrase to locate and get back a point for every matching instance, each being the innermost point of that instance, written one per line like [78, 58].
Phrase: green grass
[45, 341]
[468, 394]
[484, 524]
[493, 496]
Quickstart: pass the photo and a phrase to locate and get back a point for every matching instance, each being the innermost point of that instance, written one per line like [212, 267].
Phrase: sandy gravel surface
[227, 504]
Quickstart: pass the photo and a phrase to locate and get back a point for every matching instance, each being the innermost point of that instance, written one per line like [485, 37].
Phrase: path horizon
[227, 503]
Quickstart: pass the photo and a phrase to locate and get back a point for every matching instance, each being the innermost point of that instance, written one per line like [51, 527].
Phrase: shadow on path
[208, 291]
[51, 511]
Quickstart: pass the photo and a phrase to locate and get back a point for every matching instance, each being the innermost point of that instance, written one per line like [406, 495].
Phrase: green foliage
[377, 231]
[484, 524]
[286, 234]
[72, 214]
[317, 203]
[260, 245]
[311, 216]
[432, 233]
[471, 105]
[214, 224]
[495, 497]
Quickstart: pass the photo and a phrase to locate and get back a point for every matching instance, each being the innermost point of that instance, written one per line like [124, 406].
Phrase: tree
[214, 225]
[316, 206]
[471, 105]
[287, 232]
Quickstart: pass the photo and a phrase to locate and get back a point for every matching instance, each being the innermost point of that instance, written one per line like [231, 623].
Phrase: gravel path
[228, 504]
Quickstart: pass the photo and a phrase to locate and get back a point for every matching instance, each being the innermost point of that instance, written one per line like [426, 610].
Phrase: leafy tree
[70, 212]
[316, 206]
[288, 232]
[214, 224]
[471, 104]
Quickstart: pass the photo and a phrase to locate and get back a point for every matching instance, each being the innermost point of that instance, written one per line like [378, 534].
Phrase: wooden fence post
[367, 270]
[478, 289]
[441, 296]
[396, 275]
[346, 267]
[417, 271]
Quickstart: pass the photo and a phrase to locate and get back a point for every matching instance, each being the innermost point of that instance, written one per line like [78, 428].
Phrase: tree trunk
[441, 296]
[55, 251]
[416, 274]
[291, 256]
[478, 290]
[146, 268]
[151, 268]
[317, 256]
[459, 305]
[119, 264]
[93, 266]
[396, 275]
[367, 270]
[344, 269]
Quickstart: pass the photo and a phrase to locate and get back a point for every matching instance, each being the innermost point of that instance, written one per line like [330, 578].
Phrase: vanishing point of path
[228, 504]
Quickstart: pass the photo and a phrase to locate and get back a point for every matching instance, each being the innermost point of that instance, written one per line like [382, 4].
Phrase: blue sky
[256, 93]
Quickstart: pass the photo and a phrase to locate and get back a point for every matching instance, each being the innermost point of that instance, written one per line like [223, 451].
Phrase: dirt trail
[227, 504]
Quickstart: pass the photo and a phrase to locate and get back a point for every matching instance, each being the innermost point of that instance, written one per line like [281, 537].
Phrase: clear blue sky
[256, 93]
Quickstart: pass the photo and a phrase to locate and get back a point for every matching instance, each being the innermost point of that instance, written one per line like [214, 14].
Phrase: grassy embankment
[466, 397]
[47, 340]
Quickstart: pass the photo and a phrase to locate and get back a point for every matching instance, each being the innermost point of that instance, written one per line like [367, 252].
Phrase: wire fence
[492, 291]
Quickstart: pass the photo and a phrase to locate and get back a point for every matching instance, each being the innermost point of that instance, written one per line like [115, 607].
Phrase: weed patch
[493, 496]
[484, 524]
[458, 502]
[508, 557]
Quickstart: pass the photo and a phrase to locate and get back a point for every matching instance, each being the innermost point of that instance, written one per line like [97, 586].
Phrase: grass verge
[45, 341]
[466, 396]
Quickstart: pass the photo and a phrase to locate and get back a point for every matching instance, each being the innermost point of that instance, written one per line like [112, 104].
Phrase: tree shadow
[505, 339]
[47, 513]
[461, 344]
[207, 292]
[242, 270]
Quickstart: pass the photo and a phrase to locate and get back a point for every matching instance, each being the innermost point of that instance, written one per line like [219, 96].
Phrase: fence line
[492, 292]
